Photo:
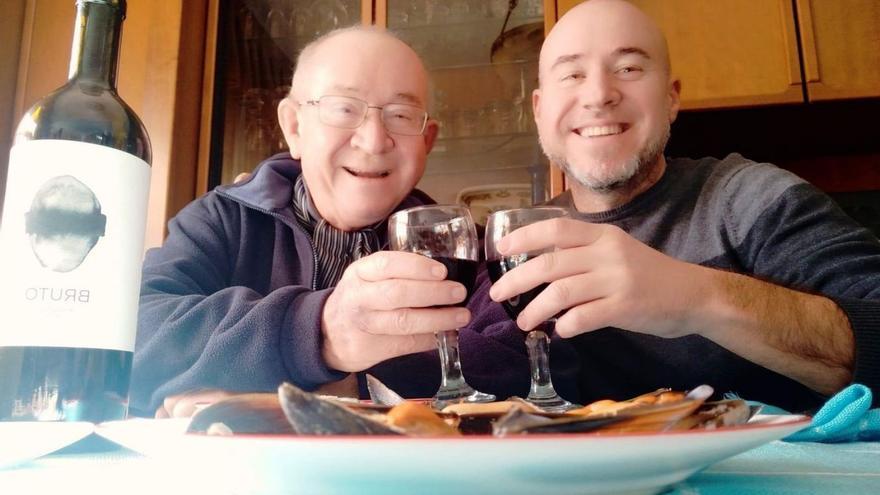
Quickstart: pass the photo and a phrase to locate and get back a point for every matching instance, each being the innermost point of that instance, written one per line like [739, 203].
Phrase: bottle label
[71, 245]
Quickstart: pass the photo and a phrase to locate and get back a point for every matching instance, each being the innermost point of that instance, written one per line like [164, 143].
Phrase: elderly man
[280, 277]
[680, 272]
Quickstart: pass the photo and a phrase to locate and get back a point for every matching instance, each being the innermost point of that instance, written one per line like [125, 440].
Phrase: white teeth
[368, 175]
[602, 130]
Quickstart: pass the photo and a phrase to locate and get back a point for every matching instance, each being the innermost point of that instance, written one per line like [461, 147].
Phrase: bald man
[679, 272]
[280, 278]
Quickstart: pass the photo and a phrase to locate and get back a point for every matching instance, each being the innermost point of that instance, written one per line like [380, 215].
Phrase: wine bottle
[71, 239]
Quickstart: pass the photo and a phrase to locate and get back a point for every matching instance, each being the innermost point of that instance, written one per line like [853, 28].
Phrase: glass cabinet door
[258, 42]
[487, 154]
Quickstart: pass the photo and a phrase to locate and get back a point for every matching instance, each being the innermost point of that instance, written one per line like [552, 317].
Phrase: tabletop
[97, 466]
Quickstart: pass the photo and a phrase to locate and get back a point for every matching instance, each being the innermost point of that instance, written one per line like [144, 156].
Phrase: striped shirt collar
[336, 249]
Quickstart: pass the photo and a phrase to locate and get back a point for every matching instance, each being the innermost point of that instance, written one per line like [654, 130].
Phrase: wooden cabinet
[841, 48]
[734, 53]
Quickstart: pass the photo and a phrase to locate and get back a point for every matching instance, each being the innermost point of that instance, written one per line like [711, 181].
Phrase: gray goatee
[630, 174]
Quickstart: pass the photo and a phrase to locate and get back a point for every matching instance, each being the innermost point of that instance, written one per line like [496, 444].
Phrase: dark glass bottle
[71, 239]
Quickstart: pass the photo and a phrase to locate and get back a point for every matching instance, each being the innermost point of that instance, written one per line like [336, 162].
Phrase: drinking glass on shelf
[276, 21]
[302, 19]
[522, 105]
[417, 11]
[257, 139]
[501, 116]
[534, 8]
[436, 13]
[459, 11]
[498, 8]
[445, 233]
[500, 223]
[466, 122]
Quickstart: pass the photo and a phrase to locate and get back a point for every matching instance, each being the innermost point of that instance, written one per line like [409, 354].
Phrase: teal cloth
[846, 417]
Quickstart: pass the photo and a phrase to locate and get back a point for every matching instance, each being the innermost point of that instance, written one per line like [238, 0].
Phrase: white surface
[22, 441]
[558, 464]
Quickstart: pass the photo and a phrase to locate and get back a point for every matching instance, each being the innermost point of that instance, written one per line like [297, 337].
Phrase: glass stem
[450, 362]
[538, 345]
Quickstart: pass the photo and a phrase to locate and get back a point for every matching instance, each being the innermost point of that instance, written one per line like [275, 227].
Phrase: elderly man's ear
[289, 122]
[432, 128]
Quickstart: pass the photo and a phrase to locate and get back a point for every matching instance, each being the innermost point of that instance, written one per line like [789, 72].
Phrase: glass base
[553, 403]
[465, 393]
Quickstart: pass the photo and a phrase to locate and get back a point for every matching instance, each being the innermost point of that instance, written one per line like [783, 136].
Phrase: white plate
[558, 464]
[21, 441]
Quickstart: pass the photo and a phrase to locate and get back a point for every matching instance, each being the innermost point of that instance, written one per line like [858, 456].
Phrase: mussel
[313, 415]
[245, 413]
[295, 411]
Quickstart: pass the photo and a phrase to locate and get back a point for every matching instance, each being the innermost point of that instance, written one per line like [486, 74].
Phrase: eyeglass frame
[317, 104]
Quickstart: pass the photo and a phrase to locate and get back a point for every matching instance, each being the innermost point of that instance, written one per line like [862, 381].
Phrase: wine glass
[500, 223]
[445, 233]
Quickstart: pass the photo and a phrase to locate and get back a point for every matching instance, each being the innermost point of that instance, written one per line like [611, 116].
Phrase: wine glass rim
[526, 208]
[431, 207]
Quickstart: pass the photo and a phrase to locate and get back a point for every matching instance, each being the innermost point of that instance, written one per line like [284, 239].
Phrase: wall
[10, 41]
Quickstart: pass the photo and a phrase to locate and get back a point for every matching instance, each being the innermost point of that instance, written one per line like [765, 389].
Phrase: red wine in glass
[462, 271]
[501, 223]
[517, 303]
[445, 233]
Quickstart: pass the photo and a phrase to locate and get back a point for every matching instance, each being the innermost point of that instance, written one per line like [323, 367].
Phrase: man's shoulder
[269, 187]
[735, 173]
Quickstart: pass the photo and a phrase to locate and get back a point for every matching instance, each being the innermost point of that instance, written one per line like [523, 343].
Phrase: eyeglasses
[349, 113]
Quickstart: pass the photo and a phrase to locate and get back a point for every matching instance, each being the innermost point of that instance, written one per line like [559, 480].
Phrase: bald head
[606, 101]
[594, 24]
[350, 42]
[357, 172]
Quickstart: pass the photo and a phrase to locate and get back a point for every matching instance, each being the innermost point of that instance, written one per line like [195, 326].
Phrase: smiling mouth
[367, 175]
[601, 130]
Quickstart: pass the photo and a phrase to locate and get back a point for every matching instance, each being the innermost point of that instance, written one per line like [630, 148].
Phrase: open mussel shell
[479, 418]
[310, 414]
[245, 413]
[518, 421]
[660, 410]
[381, 394]
[711, 415]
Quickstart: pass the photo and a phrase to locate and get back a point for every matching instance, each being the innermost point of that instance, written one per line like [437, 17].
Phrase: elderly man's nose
[372, 136]
[599, 91]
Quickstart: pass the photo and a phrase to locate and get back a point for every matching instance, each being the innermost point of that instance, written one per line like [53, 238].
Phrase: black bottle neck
[95, 55]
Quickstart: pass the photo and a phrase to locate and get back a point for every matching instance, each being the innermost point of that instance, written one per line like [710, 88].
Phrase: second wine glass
[541, 391]
[445, 233]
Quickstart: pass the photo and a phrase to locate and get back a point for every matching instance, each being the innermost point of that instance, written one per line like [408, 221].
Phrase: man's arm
[602, 277]
[200, 327]
[803, 336]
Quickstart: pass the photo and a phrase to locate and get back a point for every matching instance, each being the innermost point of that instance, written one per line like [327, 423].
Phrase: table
[97, 467]
[782, 468]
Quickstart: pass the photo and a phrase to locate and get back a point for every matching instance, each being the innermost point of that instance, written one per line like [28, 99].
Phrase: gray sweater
[752, 218]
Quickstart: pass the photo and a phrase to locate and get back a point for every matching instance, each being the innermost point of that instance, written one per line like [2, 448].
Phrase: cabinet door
[487, 153]
[841, 44]
[728, 53]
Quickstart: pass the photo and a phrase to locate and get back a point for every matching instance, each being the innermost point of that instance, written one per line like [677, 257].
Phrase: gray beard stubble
[631, 174]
